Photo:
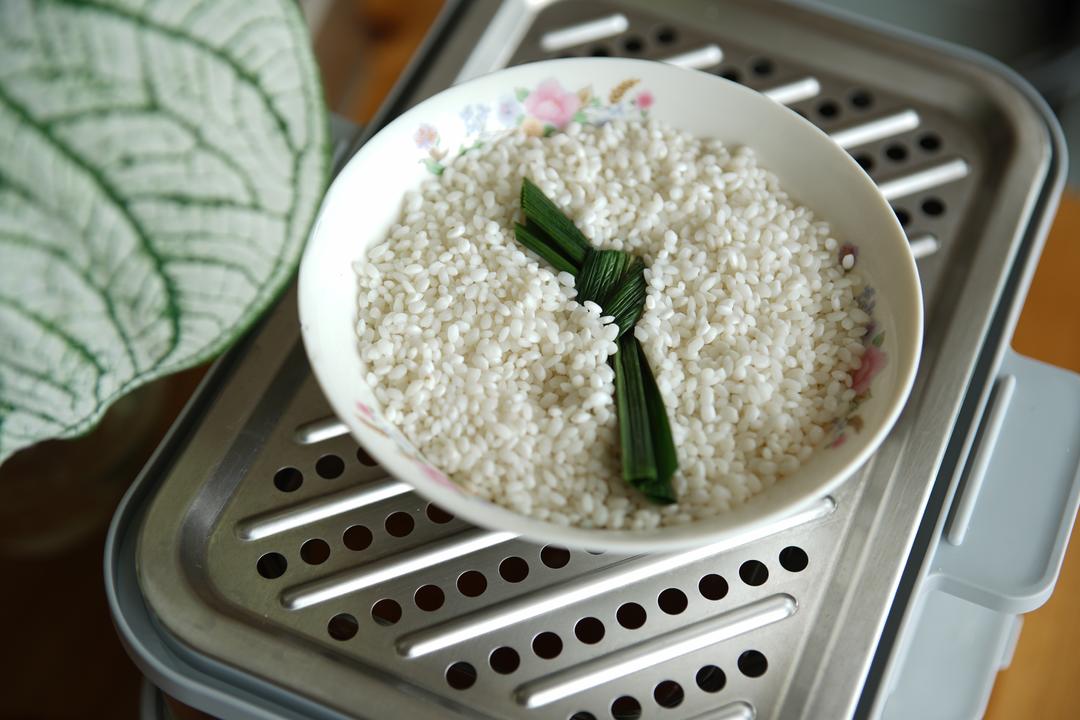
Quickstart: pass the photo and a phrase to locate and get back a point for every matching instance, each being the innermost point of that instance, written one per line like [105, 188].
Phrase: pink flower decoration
[365, 410]
[644, 100]
[873, 360]
[425, 136]
[436, 475]
[549, 102]
[372, 426]
[840, 440]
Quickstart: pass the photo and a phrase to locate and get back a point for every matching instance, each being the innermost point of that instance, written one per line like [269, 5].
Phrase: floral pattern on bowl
[541, 111]
[370, 418]
[873, 361]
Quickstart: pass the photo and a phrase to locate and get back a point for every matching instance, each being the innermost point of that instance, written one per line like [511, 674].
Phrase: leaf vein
[171, 300]
[178, 34]
[60, 256]
[53, 329]
[40, 376]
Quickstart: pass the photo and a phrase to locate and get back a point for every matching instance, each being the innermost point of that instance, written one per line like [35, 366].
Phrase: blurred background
[61, 657]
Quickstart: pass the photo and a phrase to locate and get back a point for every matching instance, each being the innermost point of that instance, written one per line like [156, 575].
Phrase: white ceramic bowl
[366, 198]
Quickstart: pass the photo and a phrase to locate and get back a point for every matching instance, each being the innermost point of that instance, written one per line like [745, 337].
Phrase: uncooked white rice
[478, 353]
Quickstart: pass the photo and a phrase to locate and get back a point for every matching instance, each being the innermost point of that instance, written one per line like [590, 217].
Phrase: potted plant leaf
[160, 166]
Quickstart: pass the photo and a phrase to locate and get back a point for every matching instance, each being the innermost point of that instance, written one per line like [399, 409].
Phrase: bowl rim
[485, 514]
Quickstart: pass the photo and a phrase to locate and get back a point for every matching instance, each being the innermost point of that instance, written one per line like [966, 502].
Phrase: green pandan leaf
[160, 166]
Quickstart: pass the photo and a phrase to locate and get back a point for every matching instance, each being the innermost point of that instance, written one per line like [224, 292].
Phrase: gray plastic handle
[1002, 550]
[1014, 511]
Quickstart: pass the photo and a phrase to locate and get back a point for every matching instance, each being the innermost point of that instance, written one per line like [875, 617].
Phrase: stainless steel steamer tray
[381, 605]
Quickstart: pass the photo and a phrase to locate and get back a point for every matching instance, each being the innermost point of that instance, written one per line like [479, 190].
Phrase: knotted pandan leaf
[160, 166]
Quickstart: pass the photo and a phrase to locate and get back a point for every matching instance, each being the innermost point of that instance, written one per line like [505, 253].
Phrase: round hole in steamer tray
[672, 601]
[589, 630]
[731, 74]
[554, 557]
[634, 44]
[710, 679]
[357, 538]
[437, 515]
[504, 660]
[514, 569]
[583, 715]
[315, 551]
[896, 152]
[668, 693]
[364, 458]
[472, 583]
[666, 35]
[631, 615]
[794, 559]
[461, 676]
[930, 142]
[902, 216]
[400, 523]
[288, 479]
[386, 612]
[828, 109]
[342, 626]
[330, 466]
[762, 67]
[547, 645]
[861, 99]
[866, 162]
[429, 598]
[625, 708]
[753, 664]
[600, 51]
[754, 572]
[933, 206]
[272, 565]
[713, 587]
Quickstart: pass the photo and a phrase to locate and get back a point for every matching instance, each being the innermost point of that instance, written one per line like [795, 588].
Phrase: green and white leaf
[161, 163]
